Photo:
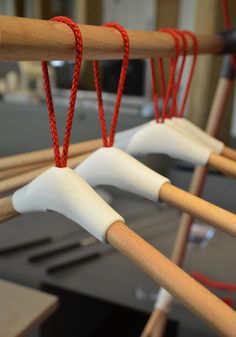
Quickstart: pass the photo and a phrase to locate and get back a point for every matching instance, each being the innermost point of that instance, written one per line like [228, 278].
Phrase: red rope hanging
[61, 160]
[109, 142]
[176, 87]
[165, 93]
[193, 65]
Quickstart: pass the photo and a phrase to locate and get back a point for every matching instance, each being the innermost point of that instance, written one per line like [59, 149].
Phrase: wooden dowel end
[229, 153]
[199, 208]
[198, 299]
[7, 210]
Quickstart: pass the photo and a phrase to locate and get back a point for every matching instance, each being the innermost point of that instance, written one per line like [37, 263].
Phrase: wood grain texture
[156, 325]
[7, 210]
[218, 108]
[23, 309]
[31, 39]
[199, 208]
[45, 155]
[229, 153]
[21, 179]
[222, 164]
[219, 316]
[11, 172]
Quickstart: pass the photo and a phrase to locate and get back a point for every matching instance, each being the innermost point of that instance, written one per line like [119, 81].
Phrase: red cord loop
[174, 86]
[109, 142]
[61, 160]
[164, 92]
[193, 65]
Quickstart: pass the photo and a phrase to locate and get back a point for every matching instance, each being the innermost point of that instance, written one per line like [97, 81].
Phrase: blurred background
[21, 82]
[100, 284]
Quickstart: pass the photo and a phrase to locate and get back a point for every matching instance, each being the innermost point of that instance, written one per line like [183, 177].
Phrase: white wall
[132, 14]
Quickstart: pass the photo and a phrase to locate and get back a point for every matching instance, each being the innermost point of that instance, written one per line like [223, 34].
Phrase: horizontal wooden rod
[24, 178]
[194, 296]
[184, 201]
[25, 39]
[7, 173]
[45, 155]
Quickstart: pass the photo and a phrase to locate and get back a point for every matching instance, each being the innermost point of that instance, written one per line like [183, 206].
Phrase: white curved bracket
[63, 191]
[162, 138]
[112, 166]
[214, 144]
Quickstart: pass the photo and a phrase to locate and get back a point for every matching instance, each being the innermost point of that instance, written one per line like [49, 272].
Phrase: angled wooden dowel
[7, 210]
[229, 153]
[21, 179]
[45, 155]
[219, 316]
[11, 172]
[155, 327]
[199, 208]
[222, 164]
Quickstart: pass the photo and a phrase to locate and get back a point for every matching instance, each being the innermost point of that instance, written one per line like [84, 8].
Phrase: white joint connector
[61, 190]
[162, 138]
[122, 138]
[214, 144]
[112, 166]
[164, 301]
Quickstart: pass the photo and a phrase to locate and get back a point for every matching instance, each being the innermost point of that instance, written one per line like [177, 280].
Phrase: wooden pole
[4, 174]
[24, 178]
[222, 164]
[31, 39]
[7, 209]
[184, 201]
[155, 327]
[199, 208]
[47, 154]
[229, 153]
[194, 296]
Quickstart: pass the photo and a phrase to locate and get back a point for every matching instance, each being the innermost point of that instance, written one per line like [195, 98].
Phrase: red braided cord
[61, 161]
[174, 61]
[193, 65]
[154, 90]
[161, 77]
[174, 107]
[120, 89]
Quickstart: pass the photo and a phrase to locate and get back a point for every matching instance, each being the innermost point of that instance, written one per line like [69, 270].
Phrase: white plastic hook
[63, 191]
[112, 166]
[162, 138]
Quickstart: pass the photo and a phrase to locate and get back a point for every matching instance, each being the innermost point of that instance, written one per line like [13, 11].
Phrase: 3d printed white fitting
[162, 138]
[63, 191]
[214, 144]
[122, 138]
[112, 166]
[164, 301]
